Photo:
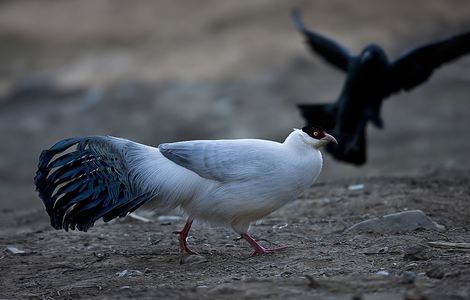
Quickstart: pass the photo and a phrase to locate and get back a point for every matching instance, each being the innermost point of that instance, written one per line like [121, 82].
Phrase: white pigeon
[229, 182]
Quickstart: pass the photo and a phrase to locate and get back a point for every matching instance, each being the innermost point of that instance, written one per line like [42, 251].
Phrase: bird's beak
[330, 138]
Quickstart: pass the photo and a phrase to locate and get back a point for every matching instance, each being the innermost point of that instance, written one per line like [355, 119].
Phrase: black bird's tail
[92, 181]
[351, 146]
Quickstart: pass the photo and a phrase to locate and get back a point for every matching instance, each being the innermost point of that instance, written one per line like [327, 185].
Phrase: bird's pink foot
[183, 235]
[260, 250]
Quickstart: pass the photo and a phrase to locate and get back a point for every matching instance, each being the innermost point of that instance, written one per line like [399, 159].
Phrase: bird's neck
[297, 141]
[292, 138]
[305, 157]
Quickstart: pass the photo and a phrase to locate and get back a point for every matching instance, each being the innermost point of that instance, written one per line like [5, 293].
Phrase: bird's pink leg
[258, 248]
[182, 236]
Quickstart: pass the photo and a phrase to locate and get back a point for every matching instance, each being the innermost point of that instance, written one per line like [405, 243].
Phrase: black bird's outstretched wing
[417, 65]
[331, 51]
[323, 115]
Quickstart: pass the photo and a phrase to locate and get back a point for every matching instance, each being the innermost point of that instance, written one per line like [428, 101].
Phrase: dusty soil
[322, 262]
[161, 71]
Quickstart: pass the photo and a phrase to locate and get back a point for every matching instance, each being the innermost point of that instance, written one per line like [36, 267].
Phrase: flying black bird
[371, 77]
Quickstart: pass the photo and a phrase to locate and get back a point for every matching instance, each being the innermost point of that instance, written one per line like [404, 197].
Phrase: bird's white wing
[224, 160]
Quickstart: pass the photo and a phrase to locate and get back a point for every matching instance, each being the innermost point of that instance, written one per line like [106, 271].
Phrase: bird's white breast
[287, 171]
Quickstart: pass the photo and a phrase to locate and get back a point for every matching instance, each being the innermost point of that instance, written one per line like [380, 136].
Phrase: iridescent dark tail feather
[87, 182]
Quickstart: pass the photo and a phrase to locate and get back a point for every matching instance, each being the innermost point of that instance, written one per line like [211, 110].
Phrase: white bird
[229, 182]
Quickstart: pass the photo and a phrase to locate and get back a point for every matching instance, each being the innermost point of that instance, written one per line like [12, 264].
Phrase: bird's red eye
[314, 132]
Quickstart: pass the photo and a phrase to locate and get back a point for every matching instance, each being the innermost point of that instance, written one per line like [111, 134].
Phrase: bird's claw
[184, 249]
[182, 236]
[183, 244]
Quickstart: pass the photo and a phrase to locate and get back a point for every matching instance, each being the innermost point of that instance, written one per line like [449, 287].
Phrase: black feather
[89, 182]
[331, 51]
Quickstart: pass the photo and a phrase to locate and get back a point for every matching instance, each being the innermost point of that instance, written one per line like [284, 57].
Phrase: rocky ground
[133, 258]
[161, 71]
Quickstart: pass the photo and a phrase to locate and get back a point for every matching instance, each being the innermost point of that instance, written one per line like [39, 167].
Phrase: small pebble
[383, 273]
[356, 187]
[416, 252]
[435, 272]
[169, 218]
[139, 218]
[280, 226]
[129, 273]
[409, 277]
[14, 250]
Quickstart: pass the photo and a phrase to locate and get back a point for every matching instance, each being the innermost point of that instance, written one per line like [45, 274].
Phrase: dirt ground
[322, 262]
[162, 71]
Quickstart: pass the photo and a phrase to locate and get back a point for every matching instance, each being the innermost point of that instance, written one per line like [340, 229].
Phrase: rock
[132, 218]
[129, 273]
[280, 226]
[408, 277]
[416, 252]
[139, 218]
[435, 272]
[383, 273]
[14, 250]
[400, 222]
[450, 245]
[202, 287]
[356, 187]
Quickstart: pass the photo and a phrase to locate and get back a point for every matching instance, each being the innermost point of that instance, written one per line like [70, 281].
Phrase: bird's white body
[231, 182]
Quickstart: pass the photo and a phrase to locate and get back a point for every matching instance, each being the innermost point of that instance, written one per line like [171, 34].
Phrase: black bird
[371, 78]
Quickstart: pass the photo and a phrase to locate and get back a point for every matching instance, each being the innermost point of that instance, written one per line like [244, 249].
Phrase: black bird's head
[373, 55]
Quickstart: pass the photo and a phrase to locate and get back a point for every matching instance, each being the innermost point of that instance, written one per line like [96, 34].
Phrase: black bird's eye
[314, 132]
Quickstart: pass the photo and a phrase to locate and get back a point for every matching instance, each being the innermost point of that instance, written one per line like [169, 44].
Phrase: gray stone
[416, 252]
[408, 277]
[129, 273]
[14, 250]
[400, 222]
[436, 272]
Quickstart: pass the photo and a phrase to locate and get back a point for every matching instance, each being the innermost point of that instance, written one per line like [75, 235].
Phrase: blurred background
[163, 71]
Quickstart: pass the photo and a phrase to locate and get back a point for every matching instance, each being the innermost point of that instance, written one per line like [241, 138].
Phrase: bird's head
[373, 54]
[316, 137]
